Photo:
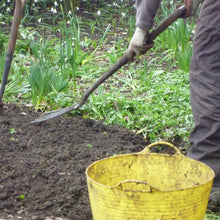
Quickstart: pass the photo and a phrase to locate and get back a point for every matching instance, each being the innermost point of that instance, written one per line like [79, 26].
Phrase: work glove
[191, 7]
[138, 44]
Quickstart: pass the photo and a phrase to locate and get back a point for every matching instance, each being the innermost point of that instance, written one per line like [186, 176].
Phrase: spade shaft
[19, 5]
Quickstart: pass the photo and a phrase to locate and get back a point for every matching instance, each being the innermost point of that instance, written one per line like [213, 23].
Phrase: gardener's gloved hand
[191, 7]
[138, 44]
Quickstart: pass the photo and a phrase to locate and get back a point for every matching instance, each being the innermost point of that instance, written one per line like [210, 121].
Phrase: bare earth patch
[43, 165]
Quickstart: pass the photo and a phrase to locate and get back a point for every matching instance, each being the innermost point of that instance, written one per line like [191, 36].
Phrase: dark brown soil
[42, 166]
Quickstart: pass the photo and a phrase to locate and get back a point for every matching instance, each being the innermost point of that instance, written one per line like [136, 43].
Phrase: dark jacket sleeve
[146, 11]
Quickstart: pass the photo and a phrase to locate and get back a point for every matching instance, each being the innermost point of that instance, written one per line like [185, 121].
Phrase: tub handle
[124, 185]
[147, 149]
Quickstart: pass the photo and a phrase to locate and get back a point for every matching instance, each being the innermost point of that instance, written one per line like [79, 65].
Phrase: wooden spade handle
[19, 5]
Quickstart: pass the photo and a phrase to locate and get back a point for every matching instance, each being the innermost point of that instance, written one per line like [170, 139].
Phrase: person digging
[204, 79]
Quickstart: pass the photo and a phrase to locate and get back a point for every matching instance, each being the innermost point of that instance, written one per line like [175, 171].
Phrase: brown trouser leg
[205, 88]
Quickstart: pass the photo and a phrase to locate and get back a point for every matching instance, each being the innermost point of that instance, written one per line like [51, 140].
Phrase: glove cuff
[139, 36]
[140, 31]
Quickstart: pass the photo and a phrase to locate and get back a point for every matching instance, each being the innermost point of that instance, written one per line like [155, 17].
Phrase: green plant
[2, 60]
[39, 80]
[146, 74]
[26, 38]
[212, 216]
[89, 146]
[21, 197]
[42, 78]
[183, 57]
[71, 50]
[176, 40]
[3, 40]
[131, 25]
[12, 130]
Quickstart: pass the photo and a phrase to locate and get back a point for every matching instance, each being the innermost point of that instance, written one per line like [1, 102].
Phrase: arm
[146, 11]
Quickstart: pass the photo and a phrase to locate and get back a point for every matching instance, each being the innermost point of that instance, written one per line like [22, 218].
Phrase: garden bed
[43, 165]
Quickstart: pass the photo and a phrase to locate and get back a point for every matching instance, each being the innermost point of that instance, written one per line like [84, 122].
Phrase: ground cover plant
[62, 49]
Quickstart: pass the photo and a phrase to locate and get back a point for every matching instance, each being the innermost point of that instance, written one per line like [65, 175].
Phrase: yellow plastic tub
[149, 186]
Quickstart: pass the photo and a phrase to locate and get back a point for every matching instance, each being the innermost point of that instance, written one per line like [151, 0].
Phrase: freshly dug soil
[42, 166]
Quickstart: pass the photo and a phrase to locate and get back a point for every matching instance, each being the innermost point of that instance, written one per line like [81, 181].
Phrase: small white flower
[39, 20]
[98, 12]
[53, 10]
[77, 8]
[123, 14]
[68, 22]
[56, 4]
[8, 1]
[8, 9]
[69, 13]
[35, 1]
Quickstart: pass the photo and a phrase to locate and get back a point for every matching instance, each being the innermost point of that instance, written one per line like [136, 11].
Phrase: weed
[89, 146]
[12, 131]
[21, 197]
[212, 216]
